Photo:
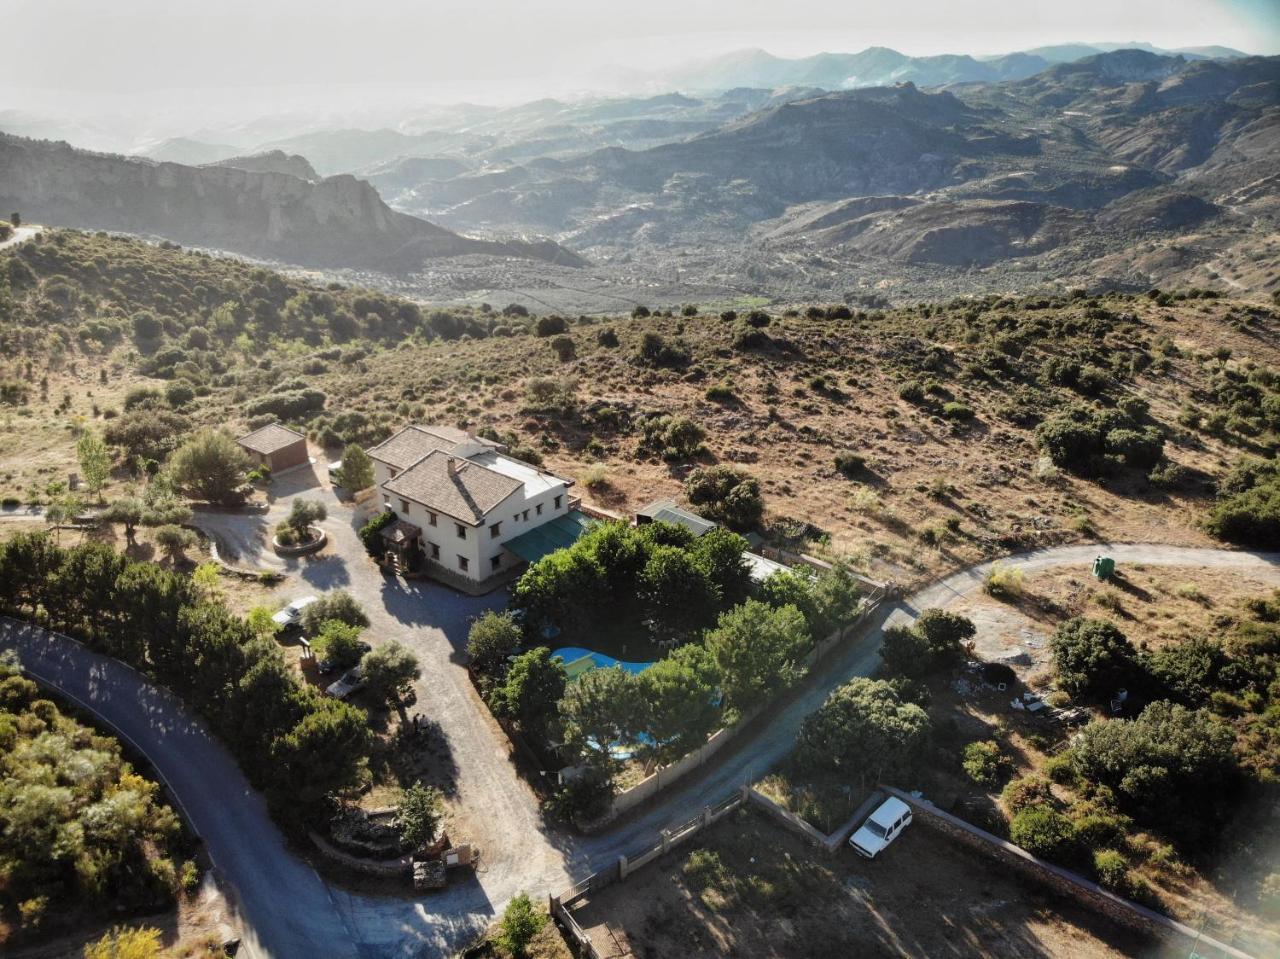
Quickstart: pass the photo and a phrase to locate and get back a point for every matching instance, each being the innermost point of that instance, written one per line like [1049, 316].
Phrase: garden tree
[27, 564]
[147, 432]
[95, 462]
[677, 593]
[561, 588]
[865, 731]
[727, 495]
[261, 624]
[339, 605]
[1092, 658]
[493, 637]
[419, 814]
[679, 701]
[62, 509]
[906, 653]
[389, 673]
[620, 551]
[338, 642]
[157, 506]
[1171, 766]
[150, 601]
[125, 942]
[519, 924]
[304, 513]
[207, 579]
[756, 649]
[932, 642]
[792, 587]
[356, 471]
[601, 709]
[80, 592]
[530, 691]
[174, 541]
[837, 594]
[324, 754]
[718, 553]
[211, 465]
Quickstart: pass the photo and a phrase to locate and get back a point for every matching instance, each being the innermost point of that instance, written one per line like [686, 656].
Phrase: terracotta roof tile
[468, 493]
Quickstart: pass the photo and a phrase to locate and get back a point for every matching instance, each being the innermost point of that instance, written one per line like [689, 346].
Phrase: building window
[462, 530]
[496, 563]
[558, 499]
[431, 519]
[386, 498]
[495, 530]
[539, 509]
[526, 516]
[404, 506]
[435, 550]
[515, 518]
[463, 563]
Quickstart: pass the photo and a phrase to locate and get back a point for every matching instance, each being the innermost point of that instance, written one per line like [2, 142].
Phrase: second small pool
[578, 660]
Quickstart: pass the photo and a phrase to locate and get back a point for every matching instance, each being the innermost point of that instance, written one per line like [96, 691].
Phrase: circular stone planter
[301, 549]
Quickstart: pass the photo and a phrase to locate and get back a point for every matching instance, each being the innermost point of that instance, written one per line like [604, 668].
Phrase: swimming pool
[579, 660]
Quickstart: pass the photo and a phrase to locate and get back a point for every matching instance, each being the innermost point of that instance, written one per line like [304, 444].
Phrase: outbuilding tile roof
[270, 439]
[414, 442]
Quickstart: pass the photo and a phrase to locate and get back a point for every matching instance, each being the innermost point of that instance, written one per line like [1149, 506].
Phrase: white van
[881, 828]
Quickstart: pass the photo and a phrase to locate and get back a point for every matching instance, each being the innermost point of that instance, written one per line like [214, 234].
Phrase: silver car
[346, 684]
[291, 615]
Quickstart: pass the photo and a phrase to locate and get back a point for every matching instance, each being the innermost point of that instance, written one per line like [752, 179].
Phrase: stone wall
[1066, 883]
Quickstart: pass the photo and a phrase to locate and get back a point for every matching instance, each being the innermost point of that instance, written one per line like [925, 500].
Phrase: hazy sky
[517, 49]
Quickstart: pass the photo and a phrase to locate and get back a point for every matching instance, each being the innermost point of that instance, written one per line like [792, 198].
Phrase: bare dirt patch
[753, 891]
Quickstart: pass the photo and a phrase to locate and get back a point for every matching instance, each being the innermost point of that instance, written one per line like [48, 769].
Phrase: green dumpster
[1104, 567]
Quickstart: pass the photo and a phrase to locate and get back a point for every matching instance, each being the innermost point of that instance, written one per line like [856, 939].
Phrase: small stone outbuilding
[276, 447]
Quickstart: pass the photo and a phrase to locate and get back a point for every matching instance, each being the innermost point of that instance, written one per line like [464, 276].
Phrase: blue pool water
[572, 654]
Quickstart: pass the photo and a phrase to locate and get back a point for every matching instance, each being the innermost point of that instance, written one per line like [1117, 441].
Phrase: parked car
[291, 615]
[881, 828]
[326, 666]
[347, 683]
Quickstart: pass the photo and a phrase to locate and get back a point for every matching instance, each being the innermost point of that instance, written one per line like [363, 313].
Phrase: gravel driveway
[289, 909]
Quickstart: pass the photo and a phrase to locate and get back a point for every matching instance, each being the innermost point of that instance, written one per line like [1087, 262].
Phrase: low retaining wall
[1066, 883]
[302, 549]
[829, 843]
[373, 867]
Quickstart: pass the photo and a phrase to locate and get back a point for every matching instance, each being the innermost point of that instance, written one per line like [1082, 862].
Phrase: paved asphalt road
[286, 908]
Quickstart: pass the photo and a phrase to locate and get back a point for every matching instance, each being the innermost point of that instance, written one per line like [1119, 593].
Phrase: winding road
[288, 910]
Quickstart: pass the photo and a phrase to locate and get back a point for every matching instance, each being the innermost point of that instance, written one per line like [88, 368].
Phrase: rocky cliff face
[272, 161]
[338, 221]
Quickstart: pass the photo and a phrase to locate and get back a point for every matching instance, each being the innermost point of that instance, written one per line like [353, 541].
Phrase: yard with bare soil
[754, 891]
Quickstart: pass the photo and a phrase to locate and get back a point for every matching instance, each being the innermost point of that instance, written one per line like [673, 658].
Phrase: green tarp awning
[557, 534]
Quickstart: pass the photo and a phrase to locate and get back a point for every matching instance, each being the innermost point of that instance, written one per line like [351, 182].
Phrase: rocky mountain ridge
[335, 221]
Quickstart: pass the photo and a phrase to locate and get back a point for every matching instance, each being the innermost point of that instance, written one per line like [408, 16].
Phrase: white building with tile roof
[464, 495]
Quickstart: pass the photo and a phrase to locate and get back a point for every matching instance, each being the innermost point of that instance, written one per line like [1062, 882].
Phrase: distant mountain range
[881, 66]
[264, 206]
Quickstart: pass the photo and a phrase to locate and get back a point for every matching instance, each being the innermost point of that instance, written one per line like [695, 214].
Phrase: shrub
[550, 325]
[1111, 869]
[727, 495]
[1092, 658]
[1247, 510]
[338, 605]
[1025, 792]
[210, 464]
[672, 437]
[1044, 832]
[493, 637]
[338, 642]
[419, 815]
[983, 762]
[850, 464]
[564, 348]
[520, 923]
[912, 392]
[607, 337]
[1141, 449]
[656, 351]
[957, 411]
[178, 394]
[864, 730]
[1003, 581]
[305, 513]
[371, 533]
[288, 405]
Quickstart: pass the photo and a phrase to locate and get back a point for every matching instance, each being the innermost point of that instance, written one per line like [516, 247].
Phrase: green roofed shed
[560, 532]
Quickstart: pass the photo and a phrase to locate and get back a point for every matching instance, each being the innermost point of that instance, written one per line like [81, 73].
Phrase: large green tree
[757, 650]
[390, 671]
[1092, 657]
[680, 701]
[95, 461]
[493, 637]
[602, 709]
[211, 465]
[864, 731]
[531, 690]
[356, 471]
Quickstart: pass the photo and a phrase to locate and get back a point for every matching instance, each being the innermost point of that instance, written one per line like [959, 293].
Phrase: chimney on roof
[453, 466]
